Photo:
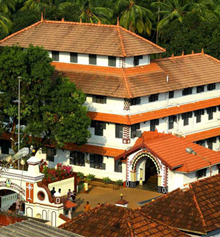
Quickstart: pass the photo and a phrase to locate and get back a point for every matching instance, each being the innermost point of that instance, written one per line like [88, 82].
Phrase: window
[111, 61]
[50, 153]
[5, 146]
[92, 59]
[74, 57]
[171, 94]
[136, 60]
[187, 91]
[201, 173]
[96, 161]
[172, 119]
[211, 87]
[134, 128]
[99, 127]
[55, 55]
[210, 142]
[153, 97]
[135, 101]
[210, 112]
[118, 130]
[186, 117]
[198, 114]
[118, 166]
[99, 99]
[77, 158]
[153, 124]
[200, 89]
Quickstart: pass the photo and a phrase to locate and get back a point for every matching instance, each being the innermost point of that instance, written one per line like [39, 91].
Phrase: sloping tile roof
[110, 40]
[110, 220]
[105, 151]
[203, 135]
[182, 71]
[7, 219]
[161, 113]
[194, 209]
[33, 228]
[172, 151]
[68, 204]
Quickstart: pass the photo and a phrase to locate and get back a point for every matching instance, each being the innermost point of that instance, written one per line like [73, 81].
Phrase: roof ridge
[178, 56]
[198, 208]
[78, 23]
[142, 38]
[20, 31]
[215, 59]
[126, 83]
[121, 41]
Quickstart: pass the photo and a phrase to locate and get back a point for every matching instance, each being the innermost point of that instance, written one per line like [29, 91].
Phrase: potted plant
[80, 176]
[106, 180]
[119, 183]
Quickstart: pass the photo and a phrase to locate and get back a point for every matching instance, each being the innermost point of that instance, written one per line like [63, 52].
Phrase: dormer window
[136, 60]
[92, 59]
[111, 61]
[55, 56]
[74, 57]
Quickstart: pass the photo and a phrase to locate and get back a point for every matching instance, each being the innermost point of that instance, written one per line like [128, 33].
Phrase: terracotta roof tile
[161, 113]
[194, 209]
[85, 38]
[68, 204]
[203, 135]
[106, 151]
[184, 71]
[110, 220]
[172, 151]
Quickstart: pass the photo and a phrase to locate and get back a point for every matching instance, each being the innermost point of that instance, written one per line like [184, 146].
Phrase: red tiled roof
[194, 209]
[183, 72]
[172, 151]
[106, 151]
[203, 135]
[161, 113]
[110, 40]
[63, 217]
[7, 219]
[110, 220]
[68, 204]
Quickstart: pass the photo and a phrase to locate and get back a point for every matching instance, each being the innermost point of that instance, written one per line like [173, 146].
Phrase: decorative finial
[172, 55]
[117, 21]
[182, 53]
[193, 52]
[202, 51]
[80, 20]
[121, 195]
[62, 20]
[99, 22]
[42, 16]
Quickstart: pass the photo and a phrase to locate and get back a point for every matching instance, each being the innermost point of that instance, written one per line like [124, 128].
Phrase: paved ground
[107, 195]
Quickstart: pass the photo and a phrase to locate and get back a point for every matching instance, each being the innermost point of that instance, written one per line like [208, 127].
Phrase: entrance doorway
[151, 179]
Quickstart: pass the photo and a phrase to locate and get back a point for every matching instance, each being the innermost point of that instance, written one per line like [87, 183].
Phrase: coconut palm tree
[134, 17]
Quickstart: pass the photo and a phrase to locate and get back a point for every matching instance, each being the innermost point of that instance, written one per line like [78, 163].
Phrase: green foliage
[119, 182]
[53, 111]
[91, 176]
[192, 34]
[80, 175]
[106, 180]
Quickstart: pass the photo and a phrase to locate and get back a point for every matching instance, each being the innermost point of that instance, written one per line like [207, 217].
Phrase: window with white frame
[211, 87]
[200, 89]
[55, 56]
[201, 173]
[111, 61]
[96, 161]
[153, 124]
[118, 130]
[118, 166]
[99, 126]
[186, 117]
[187, 91]
[74, 57]
[198, 115]
[172, 119]
[92, 59]
[77, 158]
[99, 99]
[153, 97]
[210, 112]
[134, 127]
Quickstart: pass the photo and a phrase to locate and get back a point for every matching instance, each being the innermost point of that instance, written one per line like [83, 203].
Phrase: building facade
[128, 94]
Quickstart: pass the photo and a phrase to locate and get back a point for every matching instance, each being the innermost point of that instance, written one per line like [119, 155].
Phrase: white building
[128, 94]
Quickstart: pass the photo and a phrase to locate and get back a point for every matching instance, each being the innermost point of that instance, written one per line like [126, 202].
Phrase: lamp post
[19, 117]
[191, 151]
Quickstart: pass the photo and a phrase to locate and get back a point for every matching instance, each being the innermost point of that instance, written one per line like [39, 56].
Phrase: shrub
[106, 180]
[91, 176]
[119, 182]
[80, 175]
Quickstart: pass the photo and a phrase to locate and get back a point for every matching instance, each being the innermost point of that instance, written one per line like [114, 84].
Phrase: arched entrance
[146, 171]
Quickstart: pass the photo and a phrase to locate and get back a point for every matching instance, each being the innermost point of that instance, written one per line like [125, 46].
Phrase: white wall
[129, 62]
